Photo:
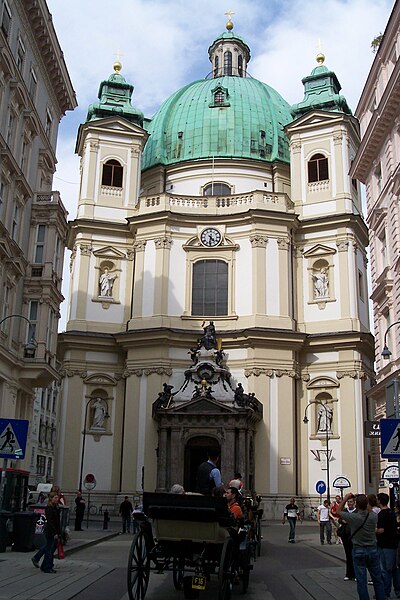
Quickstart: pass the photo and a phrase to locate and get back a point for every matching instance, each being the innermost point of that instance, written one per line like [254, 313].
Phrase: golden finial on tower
[117, 66]
[229, 24]
[320, 58]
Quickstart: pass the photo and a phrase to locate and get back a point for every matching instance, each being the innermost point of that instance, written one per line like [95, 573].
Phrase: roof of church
[192, 125]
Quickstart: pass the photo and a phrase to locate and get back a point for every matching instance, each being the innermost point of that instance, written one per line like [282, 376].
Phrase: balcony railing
[216, 204]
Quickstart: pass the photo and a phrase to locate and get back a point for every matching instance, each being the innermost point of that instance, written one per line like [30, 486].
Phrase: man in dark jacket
[52, 532]
[208, 474]
[125, 510]
[386, 535]
[79, 511]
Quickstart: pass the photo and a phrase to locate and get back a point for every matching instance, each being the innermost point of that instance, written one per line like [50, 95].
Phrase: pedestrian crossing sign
[13, 435]
[390, 438]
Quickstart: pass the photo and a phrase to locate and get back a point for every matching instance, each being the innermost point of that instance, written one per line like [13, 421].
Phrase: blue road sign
[13, 435]
[390, 438]
[320, 487]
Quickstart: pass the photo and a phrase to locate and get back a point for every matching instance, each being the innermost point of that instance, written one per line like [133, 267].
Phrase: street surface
[302, 571]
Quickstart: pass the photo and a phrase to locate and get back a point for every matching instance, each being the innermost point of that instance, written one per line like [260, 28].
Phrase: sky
[163, 46]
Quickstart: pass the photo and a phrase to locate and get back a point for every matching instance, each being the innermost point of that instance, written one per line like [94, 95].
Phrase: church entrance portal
[196, 452]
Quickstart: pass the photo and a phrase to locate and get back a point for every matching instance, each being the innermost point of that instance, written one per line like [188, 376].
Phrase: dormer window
[112, 174]
[318, 168]
[227, 63]
[219, 97]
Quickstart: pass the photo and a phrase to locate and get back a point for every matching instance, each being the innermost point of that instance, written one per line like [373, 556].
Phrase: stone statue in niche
[106, 282]
[325, 417]
[321, 283]
[99, 414]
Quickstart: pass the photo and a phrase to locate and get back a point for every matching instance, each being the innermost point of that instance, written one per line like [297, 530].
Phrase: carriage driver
[208, 474]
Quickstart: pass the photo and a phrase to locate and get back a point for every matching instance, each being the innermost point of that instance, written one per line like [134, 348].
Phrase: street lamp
[106, 416]
[386, 354]
[305, 420]
[31, 346]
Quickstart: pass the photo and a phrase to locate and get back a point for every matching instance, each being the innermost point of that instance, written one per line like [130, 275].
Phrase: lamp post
[386, 354]
[30, 347]
[106, 416]
[305, 420]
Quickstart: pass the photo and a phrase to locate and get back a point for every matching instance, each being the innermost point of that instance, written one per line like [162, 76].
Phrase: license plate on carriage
[198, 582]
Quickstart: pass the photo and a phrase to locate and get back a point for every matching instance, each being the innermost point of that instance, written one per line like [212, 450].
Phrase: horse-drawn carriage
[193, 536]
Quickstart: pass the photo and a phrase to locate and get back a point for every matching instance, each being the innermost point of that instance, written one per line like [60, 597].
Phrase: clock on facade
[210, 237]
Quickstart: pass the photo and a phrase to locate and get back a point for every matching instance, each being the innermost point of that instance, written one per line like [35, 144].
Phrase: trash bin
[24, 531]
[39, 538]
[64, 522]
[4, 531]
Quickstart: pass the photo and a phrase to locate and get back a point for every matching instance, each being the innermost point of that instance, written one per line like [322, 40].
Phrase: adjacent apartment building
[377, 165]
[35, 92]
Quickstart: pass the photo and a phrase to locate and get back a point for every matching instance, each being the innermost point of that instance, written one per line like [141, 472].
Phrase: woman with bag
[344, 533]
[52, 532]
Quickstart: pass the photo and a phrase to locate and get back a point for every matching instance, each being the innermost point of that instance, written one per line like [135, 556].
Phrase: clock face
[210, 237]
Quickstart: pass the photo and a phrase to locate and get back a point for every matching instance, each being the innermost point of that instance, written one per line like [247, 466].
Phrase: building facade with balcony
[377, 165]
[35, 92]
[219, 243]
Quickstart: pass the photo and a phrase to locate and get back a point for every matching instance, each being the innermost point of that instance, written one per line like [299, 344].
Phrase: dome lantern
[229, 54]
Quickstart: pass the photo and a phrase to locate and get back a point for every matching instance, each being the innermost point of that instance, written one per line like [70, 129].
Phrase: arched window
[227, 63]
[217, 189]
[219, 97]
[112, 174]
[216, 66]
[240, 65]
[210, 288]
[318, 168]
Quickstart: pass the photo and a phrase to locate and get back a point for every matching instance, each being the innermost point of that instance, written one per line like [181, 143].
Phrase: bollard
[106, 519]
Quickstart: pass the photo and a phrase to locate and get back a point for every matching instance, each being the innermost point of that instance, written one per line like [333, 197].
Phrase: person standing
[335, 518]
[80, 505]
[386, 535]
[52, 532]
[365, 552]
[291, 513]
[125, 510]
[208, 474]
[324, 523]
[346, 539]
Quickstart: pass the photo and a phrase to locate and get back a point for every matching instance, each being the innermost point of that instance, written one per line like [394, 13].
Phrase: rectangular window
[383, 249]
[210, 288]
[361, 286]
[32, 84]
[6, 307]
[49, 123]
[50, 332]
[33, 318]
[6, 19]
[40, 465]
[57, 255]
[378, 179]
[43, 399]
[24, 155]
[10, 129]
[39, 244]
[49, 468]
[3, 197]
[20, 55]
[15, 223]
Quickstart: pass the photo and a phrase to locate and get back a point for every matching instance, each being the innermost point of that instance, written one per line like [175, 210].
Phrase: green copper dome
[230, 117]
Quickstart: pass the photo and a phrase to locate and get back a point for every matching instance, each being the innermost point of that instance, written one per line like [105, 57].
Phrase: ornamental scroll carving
[342, 245]
[271, 372]
[295, 146]
[353, 374]
[73, 373]
[86, 249]
[158, 371]
[139, 246]
[258, 241]
[163, 243]
[283, 243]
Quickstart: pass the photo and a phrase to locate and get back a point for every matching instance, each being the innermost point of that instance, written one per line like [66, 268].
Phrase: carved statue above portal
[165, 398]
[321, 284]
[209, 339]
[106, 282]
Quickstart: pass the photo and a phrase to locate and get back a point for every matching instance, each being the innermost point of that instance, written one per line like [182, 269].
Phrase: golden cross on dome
[229, 24]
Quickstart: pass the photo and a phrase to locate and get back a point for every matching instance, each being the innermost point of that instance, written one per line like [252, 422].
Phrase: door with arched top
[196, 452]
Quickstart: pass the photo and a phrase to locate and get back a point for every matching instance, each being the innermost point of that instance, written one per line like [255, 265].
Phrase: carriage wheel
[138, 567]
[225, 571]
[244, 564]
[178, 572]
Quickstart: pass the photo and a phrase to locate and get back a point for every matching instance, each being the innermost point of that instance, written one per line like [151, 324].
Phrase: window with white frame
[382, 249]
[210, 288]
[10, 129]
[21, 52]
[40, 464]
[32, 83]
[39, 244]
[49, 123]
[3, 196]
[6, 19]
[6, 306]
[378, 178]
[318, 168]
[15, 223]
[33, 318]
[216, 188]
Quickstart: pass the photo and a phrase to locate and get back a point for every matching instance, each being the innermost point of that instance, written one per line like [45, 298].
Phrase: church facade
[233, 213]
